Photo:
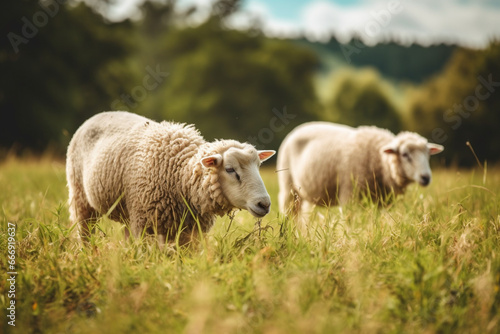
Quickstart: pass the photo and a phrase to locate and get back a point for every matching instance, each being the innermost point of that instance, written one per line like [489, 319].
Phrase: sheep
[321, 163]
[159, 178]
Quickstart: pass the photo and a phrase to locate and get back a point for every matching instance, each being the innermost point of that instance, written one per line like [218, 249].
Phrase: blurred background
[253, 70]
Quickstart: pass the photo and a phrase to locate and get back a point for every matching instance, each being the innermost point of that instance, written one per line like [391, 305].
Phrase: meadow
[428, 263]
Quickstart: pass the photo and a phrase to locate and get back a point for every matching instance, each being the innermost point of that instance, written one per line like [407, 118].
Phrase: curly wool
[154, 166]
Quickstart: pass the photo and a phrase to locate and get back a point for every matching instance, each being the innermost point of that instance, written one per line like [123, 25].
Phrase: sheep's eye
[405, 155]
[231, 170]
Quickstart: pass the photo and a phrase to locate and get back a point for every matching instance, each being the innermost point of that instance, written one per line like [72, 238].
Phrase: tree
[361, 98]
[59, 66]
[231, 84]
[462, 104]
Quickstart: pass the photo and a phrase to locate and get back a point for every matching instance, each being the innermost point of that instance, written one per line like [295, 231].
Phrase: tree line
[61, 62]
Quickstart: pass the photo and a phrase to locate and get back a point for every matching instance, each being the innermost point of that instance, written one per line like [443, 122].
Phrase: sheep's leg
[195, 236]
[88, 219]
[283, 200]
[345, 194]
[161, 239]
[191, 236]
[127, 233]
[82, 212]
[304, 216]
[87, 228]
[137, 227]
[289, 202]
[286, 199]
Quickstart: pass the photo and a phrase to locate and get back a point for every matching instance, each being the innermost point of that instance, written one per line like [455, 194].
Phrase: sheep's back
[325, 157]
[98, 154]
[316, 157]
[364, 156]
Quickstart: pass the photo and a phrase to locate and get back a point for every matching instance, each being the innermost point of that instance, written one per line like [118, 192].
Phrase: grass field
[430, 263]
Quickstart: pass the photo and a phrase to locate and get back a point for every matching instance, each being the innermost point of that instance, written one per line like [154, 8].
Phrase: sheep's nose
[425, 179]
[264, 206]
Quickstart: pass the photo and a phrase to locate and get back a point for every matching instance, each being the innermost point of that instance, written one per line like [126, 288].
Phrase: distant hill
[413, 63]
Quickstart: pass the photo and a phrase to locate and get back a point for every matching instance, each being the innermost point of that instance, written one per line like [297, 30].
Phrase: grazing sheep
[324, 163]
[150, 175]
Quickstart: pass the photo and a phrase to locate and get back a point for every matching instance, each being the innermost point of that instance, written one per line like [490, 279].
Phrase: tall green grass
[428, 263]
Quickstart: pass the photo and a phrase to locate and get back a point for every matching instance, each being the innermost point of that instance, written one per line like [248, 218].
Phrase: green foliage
[361, 98]
[228, 82]
[65, 70]
[412, 63]
[394, 60]
[461, 104]
[429, 263]
[63, 64]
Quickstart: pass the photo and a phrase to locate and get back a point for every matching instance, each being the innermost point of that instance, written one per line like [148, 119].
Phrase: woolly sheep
[323, 163]
[151, 170]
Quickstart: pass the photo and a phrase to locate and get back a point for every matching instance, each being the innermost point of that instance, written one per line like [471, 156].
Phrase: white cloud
[257, 13]
[428, 21]
[124, 9]
[321, 18]
[425, 21]
[470, 23]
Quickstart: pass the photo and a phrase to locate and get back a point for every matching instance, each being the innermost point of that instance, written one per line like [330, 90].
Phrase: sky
[471, 23]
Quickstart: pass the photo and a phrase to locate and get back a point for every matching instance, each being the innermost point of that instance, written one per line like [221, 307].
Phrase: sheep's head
[408, 155]
[238, 174]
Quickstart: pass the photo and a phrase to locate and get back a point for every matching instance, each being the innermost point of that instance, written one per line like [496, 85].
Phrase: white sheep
[322, 163]
[157, 173]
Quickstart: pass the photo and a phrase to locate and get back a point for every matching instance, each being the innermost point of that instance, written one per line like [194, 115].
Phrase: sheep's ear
[211, 161]
[435, 148]
[264, 155]
[389, 149]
